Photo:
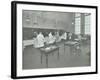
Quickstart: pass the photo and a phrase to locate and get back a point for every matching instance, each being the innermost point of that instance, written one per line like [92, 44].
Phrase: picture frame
[17, 10]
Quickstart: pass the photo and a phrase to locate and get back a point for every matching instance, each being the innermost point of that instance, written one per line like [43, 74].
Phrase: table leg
[47, 60]
[41, 58]
[71, 50]
[64, 48]
[58, 53]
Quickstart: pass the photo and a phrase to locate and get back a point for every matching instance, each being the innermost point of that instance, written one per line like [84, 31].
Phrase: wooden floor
[69, 58]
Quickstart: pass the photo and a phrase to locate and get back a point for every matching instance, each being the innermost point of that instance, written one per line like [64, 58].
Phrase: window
[87, 23]
[77, 23]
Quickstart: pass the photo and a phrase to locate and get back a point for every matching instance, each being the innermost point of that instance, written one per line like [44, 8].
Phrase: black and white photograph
[55, 39]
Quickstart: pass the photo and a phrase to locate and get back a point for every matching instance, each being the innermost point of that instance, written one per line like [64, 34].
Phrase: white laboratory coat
[70, 36]
[64, 36]
[39, 41]
[58, 38]
[51, 38]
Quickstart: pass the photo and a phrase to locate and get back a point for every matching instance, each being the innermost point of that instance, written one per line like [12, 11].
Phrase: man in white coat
[64, 36]
[40, 40]
[51, 38]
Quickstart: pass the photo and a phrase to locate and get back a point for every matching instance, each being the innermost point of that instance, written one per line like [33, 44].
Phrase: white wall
[5, 40]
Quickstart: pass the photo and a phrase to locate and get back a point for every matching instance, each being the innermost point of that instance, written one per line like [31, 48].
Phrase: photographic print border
[14, 38]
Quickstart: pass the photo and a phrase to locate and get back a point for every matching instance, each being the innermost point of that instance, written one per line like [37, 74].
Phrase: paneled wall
[52, 20]
[46, 20]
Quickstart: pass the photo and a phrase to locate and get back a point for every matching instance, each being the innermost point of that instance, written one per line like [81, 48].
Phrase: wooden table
[71, 44]
[48, 50]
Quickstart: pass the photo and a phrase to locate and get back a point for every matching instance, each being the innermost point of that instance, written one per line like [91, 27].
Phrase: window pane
[87, 24]
[77, 14]
[77, 25]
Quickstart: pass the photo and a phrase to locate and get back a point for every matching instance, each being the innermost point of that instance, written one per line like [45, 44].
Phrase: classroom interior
[55, 39]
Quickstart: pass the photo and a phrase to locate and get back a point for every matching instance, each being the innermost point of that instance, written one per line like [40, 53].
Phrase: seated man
[70, 36]
[64, 36]
[58, 39]
[39, 41]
